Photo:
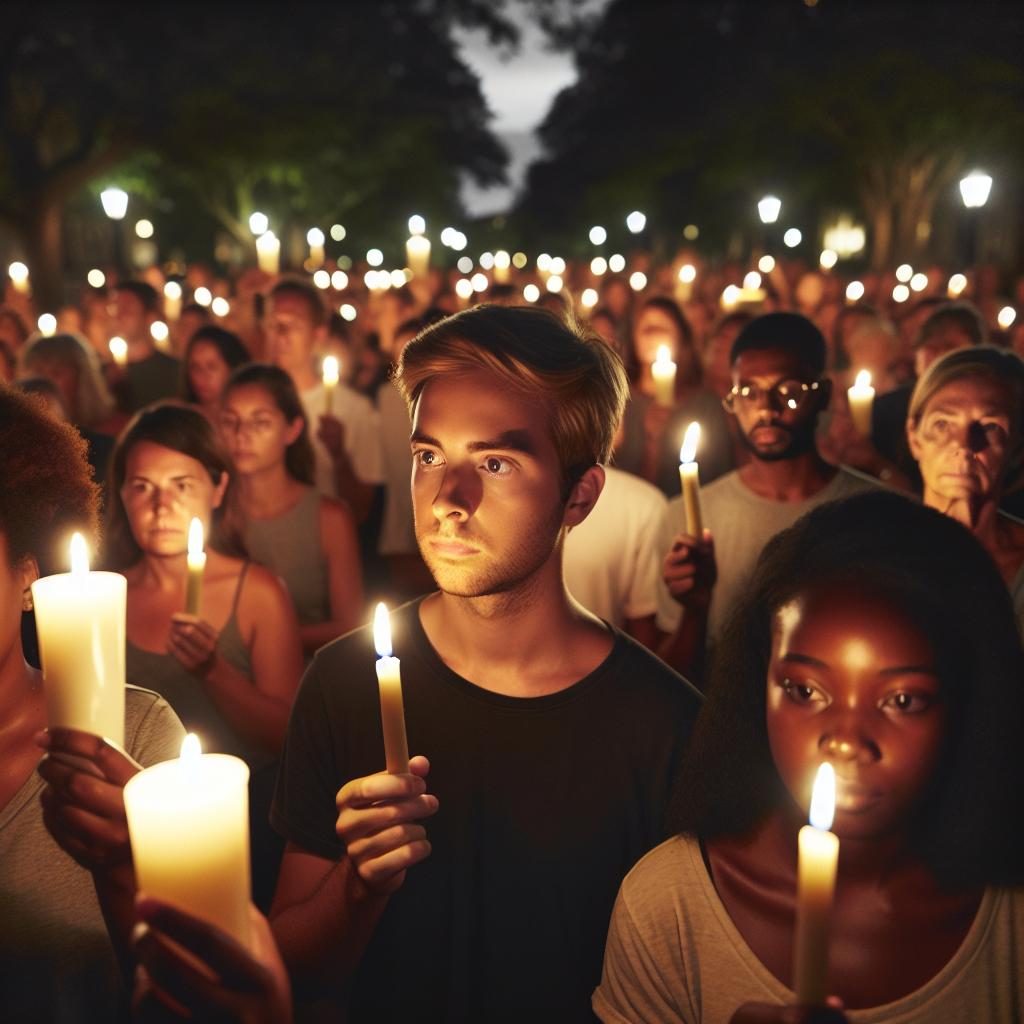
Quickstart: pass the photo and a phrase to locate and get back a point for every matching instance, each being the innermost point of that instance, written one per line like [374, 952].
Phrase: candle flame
[382, 630]
[118, 347]
[823, 797]
[863, 379]
[330, 370]
[664, 356]
[195, 536]
[691, 439]
[191, 749]
[79, 555]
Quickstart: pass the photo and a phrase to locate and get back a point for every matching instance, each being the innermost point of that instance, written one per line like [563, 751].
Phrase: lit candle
[690, 480]
[196, 566]
[330, 377]
[316, 239]
[268, 253]
[816, 882]
[861, 396]
[119, 350]
[172, 301]
[80, 619]
[188, 821]
[663, 370]
[18, 274]
[392, 711]
[417, 255]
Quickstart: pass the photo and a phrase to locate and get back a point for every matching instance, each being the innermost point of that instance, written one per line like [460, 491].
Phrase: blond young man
[479, 885]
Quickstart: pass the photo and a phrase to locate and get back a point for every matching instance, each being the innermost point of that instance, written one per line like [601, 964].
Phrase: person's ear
[912, 440]
[293, 430]
[27, 573]
[583, 496]
[220, 489]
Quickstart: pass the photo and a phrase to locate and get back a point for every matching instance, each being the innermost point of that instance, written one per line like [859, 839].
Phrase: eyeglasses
[783, 394]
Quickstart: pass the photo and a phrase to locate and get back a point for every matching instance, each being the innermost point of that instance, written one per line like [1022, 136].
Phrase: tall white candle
[330, 378]
[268, 253]
[417, 255]
[119, 350]
[80, 618]
[172, 301]
[392, 709]
[663, 370]
[689, 479]
[188, 820]
[816, 881]
[861, 397]
[196, 566]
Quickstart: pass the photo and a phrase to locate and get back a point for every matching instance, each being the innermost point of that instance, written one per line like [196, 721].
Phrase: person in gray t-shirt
[778, 392]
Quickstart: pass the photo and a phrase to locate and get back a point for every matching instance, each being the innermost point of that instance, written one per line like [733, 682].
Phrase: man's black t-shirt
[545, 804]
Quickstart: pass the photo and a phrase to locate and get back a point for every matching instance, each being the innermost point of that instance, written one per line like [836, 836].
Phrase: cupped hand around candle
[331, 434]
[767, 1013]
[214, 979]
[378, 819]
[83, 802]
[192, 641]
[690, 571]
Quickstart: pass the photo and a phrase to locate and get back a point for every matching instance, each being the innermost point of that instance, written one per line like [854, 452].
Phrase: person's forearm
[320, 947]
[257, 717]
[685, 649]
[352, 489]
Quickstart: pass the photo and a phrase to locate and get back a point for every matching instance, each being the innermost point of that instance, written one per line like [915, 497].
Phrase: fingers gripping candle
[816, 881]
[392, 711]
[196, 566]
[330, 379]
[80, 617]
[690, 481]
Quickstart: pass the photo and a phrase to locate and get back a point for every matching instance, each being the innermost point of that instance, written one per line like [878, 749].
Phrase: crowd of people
[614, 718]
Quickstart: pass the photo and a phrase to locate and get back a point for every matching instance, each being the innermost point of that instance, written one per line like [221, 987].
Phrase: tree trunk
[42, 233]
[880, 216]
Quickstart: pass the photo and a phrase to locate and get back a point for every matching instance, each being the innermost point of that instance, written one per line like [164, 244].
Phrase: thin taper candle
[196, 567]
[689, 479]
[392, 708]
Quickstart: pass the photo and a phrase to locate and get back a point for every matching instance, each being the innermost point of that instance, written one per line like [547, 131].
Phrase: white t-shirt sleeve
[670, 611]
[641, 598]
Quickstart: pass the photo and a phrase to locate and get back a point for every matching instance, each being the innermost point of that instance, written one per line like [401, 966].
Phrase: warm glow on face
[382, 630]
[330, 371]
[823, 798]
[195, 537]
[691, 439]
[79, 555]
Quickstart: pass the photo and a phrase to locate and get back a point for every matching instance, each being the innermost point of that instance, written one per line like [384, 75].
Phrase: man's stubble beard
[801, 442]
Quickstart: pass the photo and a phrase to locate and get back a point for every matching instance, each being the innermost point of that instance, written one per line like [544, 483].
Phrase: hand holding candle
[690, 481]
[861, 396]
[80, 617]
[189, 825]
[330, 379]
[196, 567]
[392, 711]
[816, 880]
[663, 370]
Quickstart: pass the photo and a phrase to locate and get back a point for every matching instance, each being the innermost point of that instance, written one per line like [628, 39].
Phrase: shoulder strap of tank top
[238, 589]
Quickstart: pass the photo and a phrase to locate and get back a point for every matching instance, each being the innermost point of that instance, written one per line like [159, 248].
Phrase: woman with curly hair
[57, 897]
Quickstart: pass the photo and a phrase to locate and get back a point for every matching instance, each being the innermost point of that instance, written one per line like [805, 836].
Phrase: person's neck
[268, 492]
[20, 695]
[515, 642]
[790, 480]
[163, 572]
[303, 378]
[139, 349]
[979, 513]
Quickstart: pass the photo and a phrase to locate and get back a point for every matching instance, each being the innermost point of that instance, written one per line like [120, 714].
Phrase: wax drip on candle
[79, 555]
[688, 452]
[382, 630]
[823, 798]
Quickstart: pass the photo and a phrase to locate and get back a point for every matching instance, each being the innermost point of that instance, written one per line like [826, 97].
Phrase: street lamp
[768, 209]
[115, 206]
[974, 190]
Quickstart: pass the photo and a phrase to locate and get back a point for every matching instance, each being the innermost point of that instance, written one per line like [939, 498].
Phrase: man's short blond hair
[533, 352]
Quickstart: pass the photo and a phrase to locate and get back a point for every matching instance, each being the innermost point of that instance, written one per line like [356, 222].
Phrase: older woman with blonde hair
[965, 428]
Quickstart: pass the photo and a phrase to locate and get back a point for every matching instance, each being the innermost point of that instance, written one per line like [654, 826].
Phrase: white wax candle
[188, 820]
[816, 881]
[330, 379]
[172, 301]
[689, 479]
[80, 619]
[417, 255]
[663, 370]
[119, 350]
[861, 396]
[196, 565]
[268, 253]
[392, 710]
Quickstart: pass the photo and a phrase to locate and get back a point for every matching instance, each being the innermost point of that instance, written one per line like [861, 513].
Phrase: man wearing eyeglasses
[778, 392]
